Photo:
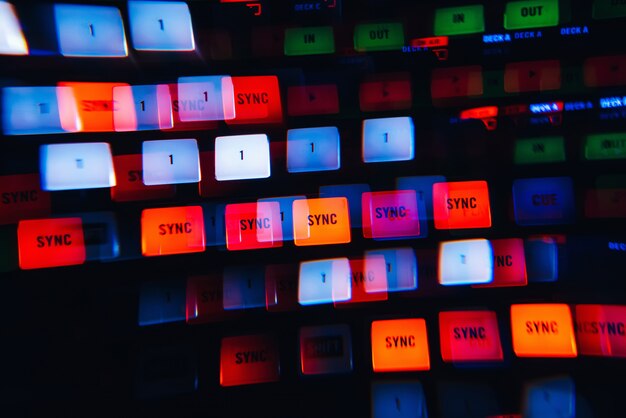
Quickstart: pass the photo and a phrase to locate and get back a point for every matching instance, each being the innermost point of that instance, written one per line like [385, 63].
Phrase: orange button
[21, 197]
[130, 187]
[174, 230]
[95, 104]
[601, 330]
[509, 263]
[400, 345]
[369, 281]
[50, 243]
[543, 330]
[253, 225]
[257, 100]
[321, 221]
[248, 359]
[469, 336]
[462, 204]
[386, 92]
[456, 82]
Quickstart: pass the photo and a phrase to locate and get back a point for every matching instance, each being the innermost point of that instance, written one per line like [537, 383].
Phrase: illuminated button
[321, 221]
[531, 14]
[324, 281]
[94, 102]
[21, 197]
[532, 76]
[130, 186]
[257, 100]
[281, 287]
[12, 40]
[386, 92]
[465, 262]
[313, 149]
[423, 186]
[205, 98]
[398, 399]
[170, 161]
[160, 26]
[46, 243]
[244, 287]
[460, 20]
[325, 349]
[549, 149]
[542, 330]
[553, 397]
[543, 201]
[608, 9]
[173, 230]
[322, 99]
[39, 110]
[462, 204]
[378, 37]
[240, 157]
[509, 263]
[309, 41]
[400, 267]
[253, 225]
[76, 166]
[161, 302]
[249, 359]
[601, 330]
[605, 71]
[353, 193]
[204, 295]
[469, 336]
[456, 82]
[285, 205]
[369, 281]
[391, 214]
[388, 139]
[399, 345]
[605, 146]
[90, 31]
[542, 259]
[140, 108]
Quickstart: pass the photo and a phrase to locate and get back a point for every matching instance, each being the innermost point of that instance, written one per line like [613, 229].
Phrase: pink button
[391, 214]
[601, 330]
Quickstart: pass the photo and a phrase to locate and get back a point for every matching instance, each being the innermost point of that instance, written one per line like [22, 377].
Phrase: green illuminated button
[531, 14]
[309, 40]
[549, 149]
[378, 37]
[459, 20]
[605, 146]
[609, 9]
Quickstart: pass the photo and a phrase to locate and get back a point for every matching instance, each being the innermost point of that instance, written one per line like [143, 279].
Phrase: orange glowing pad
[50, 243]
[174, 230]
[253, 225]
[130, 186]
[400, 345]
[321, 221]
[21, 197]
[462, 204]
[248, 359]
[601, 330]
[543, 330]
[95, 104]
[469, 336]
[257, 100]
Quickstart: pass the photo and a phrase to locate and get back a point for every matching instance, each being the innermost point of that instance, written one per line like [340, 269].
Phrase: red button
[281, 287]
[509, 263]
[386, 92]
[248, 359]
[253, 225]
[21, 197]
[130, 187]
[456, 82]
[50, 243]
[369, 281]
[322, 99]
[605, 71]
[469, 336]
[461, 204]
[532, 76]
[601, 330]
[205, 300]
[257, 100]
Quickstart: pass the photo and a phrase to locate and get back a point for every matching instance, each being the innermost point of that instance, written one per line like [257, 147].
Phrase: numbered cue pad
[240, 157]
[171, 161]
[388, 139]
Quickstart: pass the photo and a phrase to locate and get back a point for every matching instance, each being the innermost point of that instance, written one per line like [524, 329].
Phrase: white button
[388, 139]
[12, 40]
[170, 161]
[205, 98]
[465, 262]
[138, 108]
[240, 157]
[324, 281]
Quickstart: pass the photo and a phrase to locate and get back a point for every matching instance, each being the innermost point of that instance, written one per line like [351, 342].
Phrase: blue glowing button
[214, 223]
[161, 302]
[313, 149]
[140, 108]
[542, 259]
[76, 166]
[205, 98]
[550, 398]
[325, 349]
[244, 287]
[160, 26]
[170, 161]
[241, 157]
[388, 139]
[543, 201]
[38, 110]
[12, 40]
[90, 31]
[400, 265]
[286, 213]
[353, 193]
[465, 262]
[398, 399]
[423, 186]
[324, 281]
